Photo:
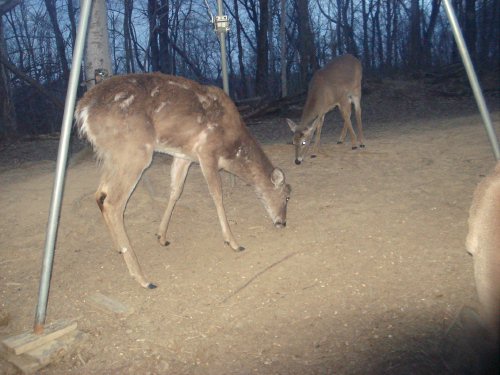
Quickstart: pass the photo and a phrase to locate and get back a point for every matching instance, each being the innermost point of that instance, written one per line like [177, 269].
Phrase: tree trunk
[261, 75]
[414, 48]
[470, 28]
[8, 123]
[72, 22]
[127, 25]
[97, 53]
[153, 36]
[429, 32]
[283, 62]
[164, 37]
[61, 48]
[307, 49]
[366, 49]
[241, 64]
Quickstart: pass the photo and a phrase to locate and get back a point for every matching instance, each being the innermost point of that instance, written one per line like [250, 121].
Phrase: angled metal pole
[476, 89]
[62, 157]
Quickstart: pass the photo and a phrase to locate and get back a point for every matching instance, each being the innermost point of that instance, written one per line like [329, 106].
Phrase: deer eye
[304, 142]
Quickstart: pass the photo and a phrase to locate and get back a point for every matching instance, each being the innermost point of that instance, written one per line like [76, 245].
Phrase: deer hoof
[151, 286]
[162, 242]
[354, 147]
[339, 142]
[237, 249]
[313, 156]
[361, 146]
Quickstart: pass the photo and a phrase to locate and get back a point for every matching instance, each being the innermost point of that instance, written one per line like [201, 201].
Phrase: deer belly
[174, 151]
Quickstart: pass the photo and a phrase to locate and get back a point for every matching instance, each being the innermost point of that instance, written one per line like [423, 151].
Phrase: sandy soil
[369, 277]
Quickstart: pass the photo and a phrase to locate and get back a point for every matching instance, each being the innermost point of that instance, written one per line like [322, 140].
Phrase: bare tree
[61, 45]
[8, 123]
[261, 74]
[306, 44]
[470, 27]
[283, 44]
[127, 35]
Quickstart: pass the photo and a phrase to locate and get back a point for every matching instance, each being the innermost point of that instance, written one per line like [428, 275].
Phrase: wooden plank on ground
[56, 349]
[109, 304]
[34, 360]
[28, 341]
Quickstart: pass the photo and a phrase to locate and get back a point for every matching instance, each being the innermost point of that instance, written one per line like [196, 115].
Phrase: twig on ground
[257, 275]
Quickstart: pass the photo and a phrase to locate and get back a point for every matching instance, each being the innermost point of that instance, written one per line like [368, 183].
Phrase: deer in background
[127, 118]
[338, 83]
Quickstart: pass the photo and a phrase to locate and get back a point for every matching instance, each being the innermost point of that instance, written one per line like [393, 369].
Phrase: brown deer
[127, 118]
[483, 243]
[338, 83]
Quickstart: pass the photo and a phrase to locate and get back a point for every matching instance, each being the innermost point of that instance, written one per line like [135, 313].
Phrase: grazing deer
[338, 83]
[483, 243]
[127, 118]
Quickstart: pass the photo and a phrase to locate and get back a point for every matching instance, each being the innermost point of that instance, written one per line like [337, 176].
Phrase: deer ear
[292, 125]
[277, 177]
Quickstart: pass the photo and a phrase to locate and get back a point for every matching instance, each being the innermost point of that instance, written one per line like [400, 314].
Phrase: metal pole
[62, 156]
[478, 94]
[222, 38]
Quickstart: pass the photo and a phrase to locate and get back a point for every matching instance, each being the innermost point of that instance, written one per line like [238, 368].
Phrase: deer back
[172, 114]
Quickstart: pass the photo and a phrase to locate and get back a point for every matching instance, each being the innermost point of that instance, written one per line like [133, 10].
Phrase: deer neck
[250, 164]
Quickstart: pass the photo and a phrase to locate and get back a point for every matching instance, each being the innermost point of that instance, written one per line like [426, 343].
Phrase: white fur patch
[185, 87]
[205, 101]
[127, 102]
[160, 107]
[212, 126]
[82, 119]
[120, 96]
[155, 91]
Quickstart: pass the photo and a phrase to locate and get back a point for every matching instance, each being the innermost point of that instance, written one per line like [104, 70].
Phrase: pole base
[30, 352]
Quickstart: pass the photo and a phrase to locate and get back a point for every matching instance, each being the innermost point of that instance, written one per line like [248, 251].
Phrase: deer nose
[297, 161]
[280, 224]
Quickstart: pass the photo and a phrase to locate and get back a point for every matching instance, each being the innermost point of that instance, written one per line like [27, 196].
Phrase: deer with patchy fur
[127, 118]
[337, 84]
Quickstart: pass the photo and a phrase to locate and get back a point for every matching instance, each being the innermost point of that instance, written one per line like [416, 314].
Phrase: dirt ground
[370, 275]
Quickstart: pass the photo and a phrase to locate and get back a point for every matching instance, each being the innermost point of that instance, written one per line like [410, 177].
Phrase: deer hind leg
[345, 111]
[120, 176]
[315, 148]
[357, 109]
[210, 171]
[178, 173]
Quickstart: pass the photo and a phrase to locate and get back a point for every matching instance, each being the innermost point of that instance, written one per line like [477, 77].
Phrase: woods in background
[274, 46]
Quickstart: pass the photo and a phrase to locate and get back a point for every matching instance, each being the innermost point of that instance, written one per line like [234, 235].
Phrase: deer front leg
[315, 148]
[211, 173]
[178, 173]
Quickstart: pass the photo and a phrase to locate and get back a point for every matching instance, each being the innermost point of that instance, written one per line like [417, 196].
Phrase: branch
[7, 5]
[185, 57]
[31, 81]
[256, 276]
